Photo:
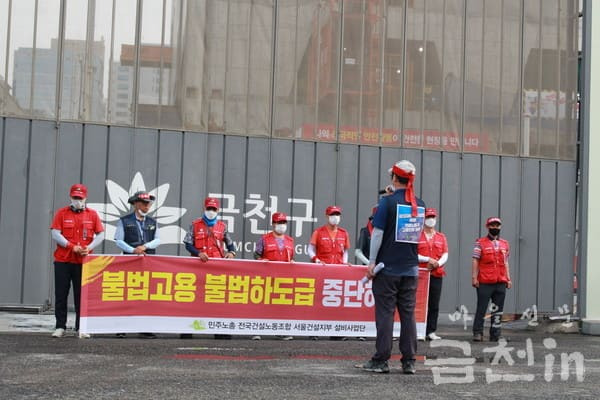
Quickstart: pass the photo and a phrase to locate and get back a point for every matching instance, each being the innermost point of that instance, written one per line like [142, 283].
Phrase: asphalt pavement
[536, 363]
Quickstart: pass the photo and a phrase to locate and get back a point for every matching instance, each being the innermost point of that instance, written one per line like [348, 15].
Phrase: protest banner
[167, 294]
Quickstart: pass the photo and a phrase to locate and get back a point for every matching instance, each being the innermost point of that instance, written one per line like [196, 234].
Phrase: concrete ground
[35, 366]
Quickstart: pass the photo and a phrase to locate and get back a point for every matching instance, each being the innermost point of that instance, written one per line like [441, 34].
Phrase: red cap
[278, 217]
[78, 190]
[333, 210]
[211, 202]
[430, 212]
[492, 220]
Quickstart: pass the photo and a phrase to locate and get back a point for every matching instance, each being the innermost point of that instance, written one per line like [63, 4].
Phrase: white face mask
[280, 228]
[78, 204]
[210, 214]
[334, 219]
[430, 222]
[141, 213]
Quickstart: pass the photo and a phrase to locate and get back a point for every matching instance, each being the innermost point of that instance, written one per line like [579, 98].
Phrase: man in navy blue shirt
[397, 226]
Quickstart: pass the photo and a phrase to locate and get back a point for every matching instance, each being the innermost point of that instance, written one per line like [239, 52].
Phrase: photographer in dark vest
[136, 232]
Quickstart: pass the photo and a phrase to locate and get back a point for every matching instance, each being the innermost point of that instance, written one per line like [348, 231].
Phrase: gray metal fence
[534, 197]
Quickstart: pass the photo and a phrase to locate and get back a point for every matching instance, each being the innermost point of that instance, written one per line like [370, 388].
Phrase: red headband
[409, 194]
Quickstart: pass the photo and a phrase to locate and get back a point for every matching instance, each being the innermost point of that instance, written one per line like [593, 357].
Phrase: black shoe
[185, 336]
[120, 335]
[147, 335]
[223, 337]
[408, 368]
[477, 337]
[380, 367]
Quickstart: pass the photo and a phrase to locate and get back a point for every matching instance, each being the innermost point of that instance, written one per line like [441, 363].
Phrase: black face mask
[494, 231]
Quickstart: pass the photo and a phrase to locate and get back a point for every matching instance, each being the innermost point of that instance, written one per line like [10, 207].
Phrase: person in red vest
[433, 254]
[276, 245]
[206, 238]
[329, 244]
[77, 230]
[207, 235]
[490, 275]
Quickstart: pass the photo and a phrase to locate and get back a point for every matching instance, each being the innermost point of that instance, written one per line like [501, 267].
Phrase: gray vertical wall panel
[234, 182]
[414, 156]
[281, 175]
[215, 165]
[565, 227]
[93, 171]
[257, 183]
[14, 195]
[37, 271]
[193, 178]
[94, 168]
[490, 188]
[303, 188]
[547, 237]
[145, 156]
[528, 265]
[510, 205]
[368, 187]
[325, 180]
[120, 171]
[470, 196]
[430, 178]
[449, 224]
[389, 156]
[68, 161]
[169, 172]
[347, 191]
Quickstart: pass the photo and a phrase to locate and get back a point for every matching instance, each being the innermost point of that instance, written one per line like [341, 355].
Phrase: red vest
[434, 248]
[492, 264]
[78, 228]
[331, 251]
[207, 239]
[271, 249]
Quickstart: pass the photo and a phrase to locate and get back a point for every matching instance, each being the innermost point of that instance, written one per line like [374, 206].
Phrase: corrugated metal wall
[535, 198]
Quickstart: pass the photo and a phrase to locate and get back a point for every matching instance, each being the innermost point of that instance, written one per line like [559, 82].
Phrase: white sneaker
[84, 335]
[59, 332]
[421, 338]
[256, 337]
[287, 338]
[433, 336]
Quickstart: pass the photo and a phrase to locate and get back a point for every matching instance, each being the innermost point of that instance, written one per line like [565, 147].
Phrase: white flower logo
[111, 212]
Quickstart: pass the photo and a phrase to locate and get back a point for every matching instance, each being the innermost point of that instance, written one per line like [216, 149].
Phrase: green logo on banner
[198, 325]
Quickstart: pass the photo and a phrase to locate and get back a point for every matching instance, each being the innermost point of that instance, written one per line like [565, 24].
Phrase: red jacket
[330, 251]
[78, 228]
[434, 248]
[271, 249]
[493, 261]
[209, 240]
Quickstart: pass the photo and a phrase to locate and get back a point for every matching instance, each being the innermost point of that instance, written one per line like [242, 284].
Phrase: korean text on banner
[165, 294]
